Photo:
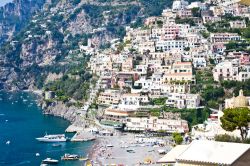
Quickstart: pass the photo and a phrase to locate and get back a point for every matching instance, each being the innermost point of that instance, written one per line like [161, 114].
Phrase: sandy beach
[124, 149]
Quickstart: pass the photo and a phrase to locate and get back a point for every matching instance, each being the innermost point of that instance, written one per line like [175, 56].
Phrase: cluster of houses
[159, 60]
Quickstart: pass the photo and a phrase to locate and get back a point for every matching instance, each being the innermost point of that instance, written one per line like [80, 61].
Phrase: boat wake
[24, 162]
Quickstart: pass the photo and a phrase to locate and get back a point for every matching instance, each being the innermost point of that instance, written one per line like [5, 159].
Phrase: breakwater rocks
[60, 109]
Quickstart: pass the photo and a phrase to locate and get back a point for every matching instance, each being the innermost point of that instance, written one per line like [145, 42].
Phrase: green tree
[196, 12]
[177, 138]
[246, 32]
[236, 118]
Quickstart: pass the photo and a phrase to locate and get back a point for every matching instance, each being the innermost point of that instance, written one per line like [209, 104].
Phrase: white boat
[53, 138]
[70, 157]
[50, 161]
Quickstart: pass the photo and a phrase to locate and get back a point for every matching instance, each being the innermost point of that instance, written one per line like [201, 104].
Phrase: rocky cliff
[14, 16]
[42, 38]
[61, 110]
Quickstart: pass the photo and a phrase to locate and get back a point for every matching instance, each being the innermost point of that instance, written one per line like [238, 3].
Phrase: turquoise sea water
[21, 121]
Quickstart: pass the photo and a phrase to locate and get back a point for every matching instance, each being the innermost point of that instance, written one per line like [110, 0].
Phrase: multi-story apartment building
[109, 97]
[225, 71]
[167, 32]
[231, 70]
[156, 124]
[182, 100]
[224, 37]
[168, 45]
[238, 24]
[133, 101]
[179, 5]
[180, 72]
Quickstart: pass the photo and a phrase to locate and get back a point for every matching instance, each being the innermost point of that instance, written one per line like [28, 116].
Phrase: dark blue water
[21, 121]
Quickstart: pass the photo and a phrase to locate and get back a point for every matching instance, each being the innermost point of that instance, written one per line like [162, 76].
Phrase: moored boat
[50, 161]
[70, 157]
[53, 138]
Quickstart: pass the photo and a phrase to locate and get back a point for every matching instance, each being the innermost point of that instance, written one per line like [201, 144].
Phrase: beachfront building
[183, 100]
[208, 153]
[114, 114]
[156, 124]
[239, 101]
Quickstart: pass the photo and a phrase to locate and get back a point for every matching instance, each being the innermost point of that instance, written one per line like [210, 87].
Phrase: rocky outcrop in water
[61, 110]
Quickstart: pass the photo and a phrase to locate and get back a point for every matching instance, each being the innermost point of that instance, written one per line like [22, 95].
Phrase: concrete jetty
[83, 136]
[73, 129]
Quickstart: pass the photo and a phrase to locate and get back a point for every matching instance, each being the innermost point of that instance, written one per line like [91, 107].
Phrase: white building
[180, 72]
[208, 153]
[199, 62]
[156, 124]
[228, 70]
[168, 45]
[238, 24]
[224, 37]
[180, 100]
[133, 101]
[225, 71]
[179, 5]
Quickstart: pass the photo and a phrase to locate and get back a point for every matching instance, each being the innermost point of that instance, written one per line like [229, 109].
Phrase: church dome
[241, 100]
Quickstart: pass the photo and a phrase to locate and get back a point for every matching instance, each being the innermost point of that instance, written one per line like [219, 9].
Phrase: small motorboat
[50, 161]
[37, 154]
[70, 157]
[8, 142]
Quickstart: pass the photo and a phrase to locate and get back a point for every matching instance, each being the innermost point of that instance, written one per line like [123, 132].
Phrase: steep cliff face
[14, 16]
[52, 35]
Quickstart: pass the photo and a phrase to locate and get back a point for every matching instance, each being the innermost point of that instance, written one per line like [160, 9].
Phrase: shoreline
[121, 143]
[96, 142]
[125, 149]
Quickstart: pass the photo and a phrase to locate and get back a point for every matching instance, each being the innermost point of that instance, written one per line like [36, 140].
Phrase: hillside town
[171, 77]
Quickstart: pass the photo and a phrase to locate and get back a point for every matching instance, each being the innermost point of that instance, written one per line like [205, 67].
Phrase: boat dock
[72, 129]
[83, 136]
